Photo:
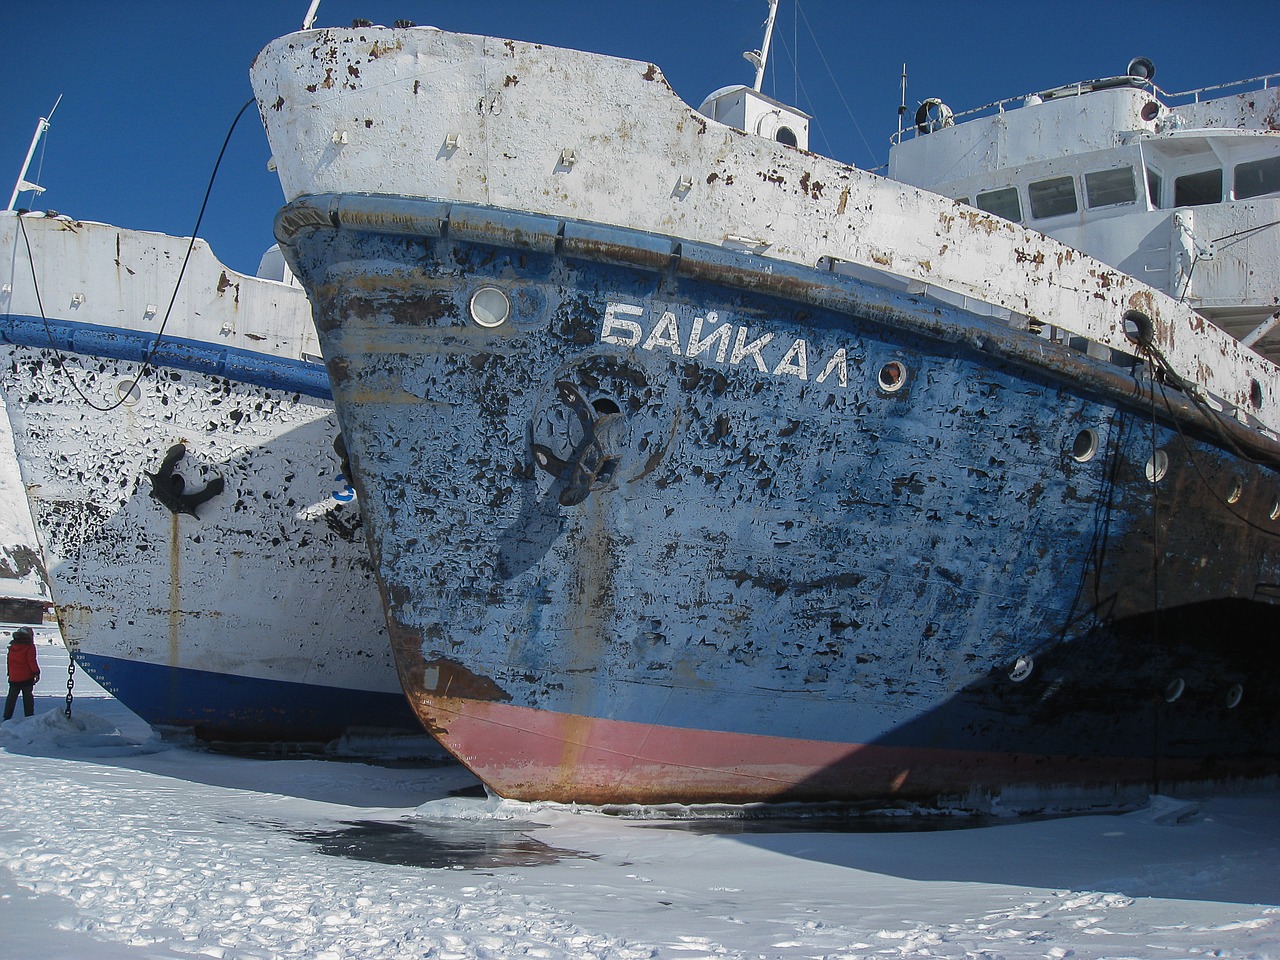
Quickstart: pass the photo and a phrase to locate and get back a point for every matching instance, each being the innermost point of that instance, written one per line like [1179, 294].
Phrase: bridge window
[1002, 203]
[1155, 183]
[1257, 177]
[1052, 198]
[1198, 188]
[1106, 188]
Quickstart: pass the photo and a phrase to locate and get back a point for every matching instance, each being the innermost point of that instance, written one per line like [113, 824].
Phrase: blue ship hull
[691, 526]
[223, 707]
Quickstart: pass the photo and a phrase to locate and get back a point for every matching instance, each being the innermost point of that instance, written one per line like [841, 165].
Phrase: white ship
[203, 549]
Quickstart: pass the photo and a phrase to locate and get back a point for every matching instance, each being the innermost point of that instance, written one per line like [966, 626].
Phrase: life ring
[933, 115]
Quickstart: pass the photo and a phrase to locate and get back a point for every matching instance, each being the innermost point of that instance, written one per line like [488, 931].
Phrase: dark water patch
[438, 845]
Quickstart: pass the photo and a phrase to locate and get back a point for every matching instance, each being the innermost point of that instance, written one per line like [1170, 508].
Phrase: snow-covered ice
[115, 844]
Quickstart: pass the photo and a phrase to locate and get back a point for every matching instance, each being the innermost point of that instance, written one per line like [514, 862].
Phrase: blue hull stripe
[117, 343]
[221, 706]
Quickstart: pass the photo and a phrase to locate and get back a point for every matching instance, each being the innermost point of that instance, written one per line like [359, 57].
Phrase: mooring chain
[71, 682]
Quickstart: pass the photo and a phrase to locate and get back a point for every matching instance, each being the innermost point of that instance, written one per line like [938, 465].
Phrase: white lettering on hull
[625, 325]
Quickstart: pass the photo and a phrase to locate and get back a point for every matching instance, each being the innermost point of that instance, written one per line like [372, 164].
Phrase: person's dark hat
[23, 633]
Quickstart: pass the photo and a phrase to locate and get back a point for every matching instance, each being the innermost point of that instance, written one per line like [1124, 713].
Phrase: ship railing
[1263, 82]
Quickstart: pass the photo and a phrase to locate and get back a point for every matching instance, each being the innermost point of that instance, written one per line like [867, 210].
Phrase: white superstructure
[1179, 190]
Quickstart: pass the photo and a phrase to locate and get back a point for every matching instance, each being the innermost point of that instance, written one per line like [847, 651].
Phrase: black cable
[1157, 651]
[123, 395]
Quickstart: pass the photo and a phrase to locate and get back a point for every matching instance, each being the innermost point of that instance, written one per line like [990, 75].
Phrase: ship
[698, 467]
[176, 441]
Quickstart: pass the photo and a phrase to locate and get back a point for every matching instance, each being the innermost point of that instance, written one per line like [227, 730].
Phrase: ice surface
[115, 844]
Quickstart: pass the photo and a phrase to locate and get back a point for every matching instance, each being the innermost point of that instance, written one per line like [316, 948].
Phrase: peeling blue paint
[607, 521]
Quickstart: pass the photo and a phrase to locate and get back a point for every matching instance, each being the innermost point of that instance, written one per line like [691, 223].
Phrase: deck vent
[1022, 668]
[1142, 68]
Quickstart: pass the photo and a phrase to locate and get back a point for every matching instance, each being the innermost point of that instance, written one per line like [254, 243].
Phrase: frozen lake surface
[115, 844]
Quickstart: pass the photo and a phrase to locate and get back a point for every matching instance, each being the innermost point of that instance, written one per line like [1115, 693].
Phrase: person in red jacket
[24, 672]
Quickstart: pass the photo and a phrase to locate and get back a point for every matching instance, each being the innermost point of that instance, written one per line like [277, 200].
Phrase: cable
[123, 395]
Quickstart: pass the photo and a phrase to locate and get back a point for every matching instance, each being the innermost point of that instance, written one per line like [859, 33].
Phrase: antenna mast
[311, 15]
[761, 57]
[902, 108]
[22, 185]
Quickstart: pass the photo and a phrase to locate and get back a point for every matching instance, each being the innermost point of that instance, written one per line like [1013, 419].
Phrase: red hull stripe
[527, 754]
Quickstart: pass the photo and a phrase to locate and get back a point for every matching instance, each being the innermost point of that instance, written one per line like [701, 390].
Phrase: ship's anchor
[589, 461]
[170, 488]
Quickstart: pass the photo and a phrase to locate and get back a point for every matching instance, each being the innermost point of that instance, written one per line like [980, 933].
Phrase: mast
[761, 57]
[22, 185]
[902, 107]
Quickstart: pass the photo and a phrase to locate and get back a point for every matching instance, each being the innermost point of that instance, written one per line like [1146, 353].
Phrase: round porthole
[1235, 491]
[1085, 446]
[1022, 668]
[1157, 466]
[490, 307]
[1235, 694]
[1174, 689]
[127, 392]
[893, 377]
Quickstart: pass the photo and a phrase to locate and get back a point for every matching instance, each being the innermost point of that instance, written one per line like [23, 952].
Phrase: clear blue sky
[151, 88]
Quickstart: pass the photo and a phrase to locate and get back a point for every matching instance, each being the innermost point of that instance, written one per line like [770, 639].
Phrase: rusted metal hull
[205, 555]
[691, 525]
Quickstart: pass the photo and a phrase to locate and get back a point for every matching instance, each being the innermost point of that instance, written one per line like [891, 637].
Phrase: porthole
[127, 392]
[490, 307]
[1022, 668]
[893, 377]
[1085, 446]
[1157, 466]
[1275, 510]
[1174, 689]
[1255, 394]
[1234, 695]
[1235, 491]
